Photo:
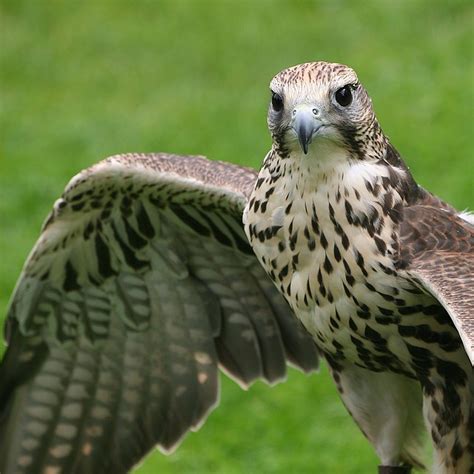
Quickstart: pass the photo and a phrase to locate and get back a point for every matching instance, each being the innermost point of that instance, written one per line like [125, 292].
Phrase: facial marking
[341, 108]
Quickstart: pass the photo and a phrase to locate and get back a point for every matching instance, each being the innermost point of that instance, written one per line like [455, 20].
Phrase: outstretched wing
[141, 283]
[437, 249]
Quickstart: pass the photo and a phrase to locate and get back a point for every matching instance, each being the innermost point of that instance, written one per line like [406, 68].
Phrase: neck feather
[330, 162]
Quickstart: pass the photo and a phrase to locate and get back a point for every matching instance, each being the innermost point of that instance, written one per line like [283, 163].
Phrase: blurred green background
[81, 80]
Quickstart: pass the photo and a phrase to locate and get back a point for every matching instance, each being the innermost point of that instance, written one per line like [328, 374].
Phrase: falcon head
[321, 104]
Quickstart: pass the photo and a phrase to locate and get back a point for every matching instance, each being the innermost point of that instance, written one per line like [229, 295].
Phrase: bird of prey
[143, 283]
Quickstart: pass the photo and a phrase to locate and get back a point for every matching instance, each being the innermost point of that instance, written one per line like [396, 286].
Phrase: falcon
[153, 271]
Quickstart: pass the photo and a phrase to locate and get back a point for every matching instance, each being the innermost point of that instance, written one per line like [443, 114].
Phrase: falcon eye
[277, 102]
[344, 96]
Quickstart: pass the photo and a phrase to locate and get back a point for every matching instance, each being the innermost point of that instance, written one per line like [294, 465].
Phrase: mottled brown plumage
[437, 247]
[142, 282]
[357, 247]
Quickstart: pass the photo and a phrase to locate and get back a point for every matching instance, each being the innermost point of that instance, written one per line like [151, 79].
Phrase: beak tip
[305, 127]
[304, 143]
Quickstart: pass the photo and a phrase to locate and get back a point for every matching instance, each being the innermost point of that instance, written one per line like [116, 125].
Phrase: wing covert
[437, 250]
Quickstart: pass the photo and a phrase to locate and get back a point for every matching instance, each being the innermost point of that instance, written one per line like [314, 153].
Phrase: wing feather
[141, 285]
[437, 250]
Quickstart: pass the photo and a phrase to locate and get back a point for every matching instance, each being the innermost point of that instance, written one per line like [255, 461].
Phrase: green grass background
[81, 80]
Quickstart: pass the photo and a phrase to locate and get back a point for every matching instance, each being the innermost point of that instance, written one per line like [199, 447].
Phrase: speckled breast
[330, 250]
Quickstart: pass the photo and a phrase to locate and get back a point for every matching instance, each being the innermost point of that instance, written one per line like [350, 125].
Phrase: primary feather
[142, 283]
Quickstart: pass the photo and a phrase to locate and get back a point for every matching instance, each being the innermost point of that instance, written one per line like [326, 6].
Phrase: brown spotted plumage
[143, 281]
[140, 286]
[379, 271]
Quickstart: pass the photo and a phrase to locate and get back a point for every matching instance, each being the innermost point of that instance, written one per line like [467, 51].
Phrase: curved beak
[305, 124]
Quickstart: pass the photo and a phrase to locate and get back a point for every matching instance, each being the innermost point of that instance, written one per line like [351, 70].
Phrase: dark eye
[344, 96]
[277, 102]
